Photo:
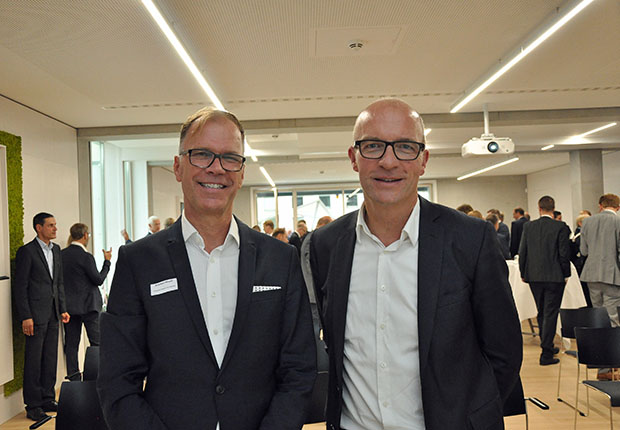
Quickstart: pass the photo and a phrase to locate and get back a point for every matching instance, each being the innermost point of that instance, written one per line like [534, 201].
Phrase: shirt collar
[80, 245]
[411, 229]
[610, 210]
[43, 245]
[548, 216]
[191, 235]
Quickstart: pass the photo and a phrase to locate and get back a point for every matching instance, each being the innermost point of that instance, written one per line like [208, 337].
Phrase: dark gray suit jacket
[600, 241]
[544, 252]
[34, 291]
[467, 320]
[82, 280]
[269, 367]
[515, 235]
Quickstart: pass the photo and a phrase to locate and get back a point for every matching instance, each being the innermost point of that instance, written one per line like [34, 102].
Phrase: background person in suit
[418, 316]
[600, 242]
[154, 224]
[40, 302]
[213, 314]
[516, 230]
[503, 233]
[84, 302]
[544, 262]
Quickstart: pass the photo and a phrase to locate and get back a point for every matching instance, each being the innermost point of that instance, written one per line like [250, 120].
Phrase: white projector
[488, 144]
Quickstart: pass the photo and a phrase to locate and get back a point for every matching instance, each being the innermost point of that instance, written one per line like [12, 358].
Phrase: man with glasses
[417, 312]
[212, 313]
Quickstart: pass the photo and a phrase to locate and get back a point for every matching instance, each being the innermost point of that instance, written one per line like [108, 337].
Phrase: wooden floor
[538, 381]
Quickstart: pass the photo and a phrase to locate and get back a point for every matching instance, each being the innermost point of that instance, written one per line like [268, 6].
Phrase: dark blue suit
[269, 367]
[467, 320]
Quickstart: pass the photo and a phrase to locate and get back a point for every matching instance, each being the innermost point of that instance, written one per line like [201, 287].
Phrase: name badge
[164, 287]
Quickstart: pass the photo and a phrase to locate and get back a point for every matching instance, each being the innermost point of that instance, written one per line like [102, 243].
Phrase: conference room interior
[97, 95]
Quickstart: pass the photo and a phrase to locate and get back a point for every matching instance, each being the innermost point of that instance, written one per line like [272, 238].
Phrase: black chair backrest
[582, 317]
[79, 408]
[91, 364]
[598, 347]
[515, 403]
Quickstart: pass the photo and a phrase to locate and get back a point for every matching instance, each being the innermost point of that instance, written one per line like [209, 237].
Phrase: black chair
[516, 403]
[582, 317]
[600, 348]
[79, 408]
[91, 363]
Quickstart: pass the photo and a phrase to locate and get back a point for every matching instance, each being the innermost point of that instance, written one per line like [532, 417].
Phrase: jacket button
[219, 389]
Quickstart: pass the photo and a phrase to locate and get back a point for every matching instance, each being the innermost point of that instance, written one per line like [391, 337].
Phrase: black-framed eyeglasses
[203, 159]
[404, 150]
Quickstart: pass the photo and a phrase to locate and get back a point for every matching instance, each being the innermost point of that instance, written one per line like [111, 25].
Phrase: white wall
[555, 183]
[166, 193]
[50, 183]
[611, 173]
[483, 193]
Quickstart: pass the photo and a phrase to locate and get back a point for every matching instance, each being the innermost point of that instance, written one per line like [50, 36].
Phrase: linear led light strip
[176, 44]
[486, 169]
[558, 22]
[573, 140]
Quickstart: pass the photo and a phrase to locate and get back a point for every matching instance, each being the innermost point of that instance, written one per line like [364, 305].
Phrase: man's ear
[352, 156]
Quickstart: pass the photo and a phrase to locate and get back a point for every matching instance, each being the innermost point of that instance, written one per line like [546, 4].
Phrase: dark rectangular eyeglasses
[405, 150]
[203, 159]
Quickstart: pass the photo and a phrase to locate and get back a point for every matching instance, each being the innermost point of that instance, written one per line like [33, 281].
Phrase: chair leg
[559, 379]
[611, 417]
[576, 398]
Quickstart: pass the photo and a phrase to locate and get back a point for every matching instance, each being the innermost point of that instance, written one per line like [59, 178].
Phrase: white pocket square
[263, 288]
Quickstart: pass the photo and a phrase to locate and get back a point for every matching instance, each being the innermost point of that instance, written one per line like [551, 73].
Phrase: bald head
[394, 114]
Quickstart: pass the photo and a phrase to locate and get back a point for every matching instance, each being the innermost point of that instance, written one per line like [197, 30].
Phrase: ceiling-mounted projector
[487, 144]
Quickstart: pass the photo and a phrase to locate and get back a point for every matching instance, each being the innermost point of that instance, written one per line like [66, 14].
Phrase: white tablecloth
[526, 307]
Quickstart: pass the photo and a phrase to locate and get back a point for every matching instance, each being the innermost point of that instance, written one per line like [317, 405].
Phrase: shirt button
[382, 287]
[215, 331]
[382, 326]
[383, 365]
[385, 404]
[213, 294]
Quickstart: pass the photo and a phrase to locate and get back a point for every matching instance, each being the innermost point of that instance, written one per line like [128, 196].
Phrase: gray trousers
[606, 296]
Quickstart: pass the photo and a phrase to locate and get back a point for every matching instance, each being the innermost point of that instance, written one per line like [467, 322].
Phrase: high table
[524, 300]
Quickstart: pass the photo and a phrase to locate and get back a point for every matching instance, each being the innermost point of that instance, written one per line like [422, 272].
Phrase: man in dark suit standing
[516, 230]
[212, 313]
[40, 302]
[84, 302]
[408, 289]
[544, 262]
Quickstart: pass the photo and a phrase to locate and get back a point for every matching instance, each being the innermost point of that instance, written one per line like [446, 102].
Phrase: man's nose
[389, 157]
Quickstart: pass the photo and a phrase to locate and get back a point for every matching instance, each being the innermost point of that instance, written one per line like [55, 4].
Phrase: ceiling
[285, 68]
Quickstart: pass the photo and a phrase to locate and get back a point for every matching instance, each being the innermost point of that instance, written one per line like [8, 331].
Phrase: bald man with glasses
[418, 316]
[222, 335]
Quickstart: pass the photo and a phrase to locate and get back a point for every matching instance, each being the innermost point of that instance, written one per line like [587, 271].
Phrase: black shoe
[556, 350]
[547, 361]
[35, 414]
[51, 406]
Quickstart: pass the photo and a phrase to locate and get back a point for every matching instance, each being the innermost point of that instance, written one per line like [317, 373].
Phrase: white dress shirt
[215, 275]
[49, 255]
[382, 389]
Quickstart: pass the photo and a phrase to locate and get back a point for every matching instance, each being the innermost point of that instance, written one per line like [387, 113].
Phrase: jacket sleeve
[564, 250]
[495, 314]
[90, 268]
[523, 250]
[296, 371]
[123, 363]
[62, 304]
[23, 265]
[583, 245]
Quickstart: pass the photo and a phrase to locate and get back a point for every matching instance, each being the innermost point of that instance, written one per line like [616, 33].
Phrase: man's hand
[108, 254]
[28, 327]
[65, 317]
[125, 235]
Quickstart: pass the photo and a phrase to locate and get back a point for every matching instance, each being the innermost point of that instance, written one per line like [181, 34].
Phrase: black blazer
[515, 235]
[544, 252]
[82, 280]
[269, 367]
[34, 291]
[467, 320]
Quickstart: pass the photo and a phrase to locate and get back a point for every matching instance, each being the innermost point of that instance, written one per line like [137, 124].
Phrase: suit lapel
[340, 265]
[185, 280]
[245, 282]
[39, 251]
[430, 255]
